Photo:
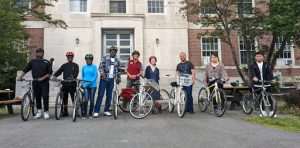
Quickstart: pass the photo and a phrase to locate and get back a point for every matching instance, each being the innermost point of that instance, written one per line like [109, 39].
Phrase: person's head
[70, 56]
[214, 58]
[135, 55]
[152, 60]
[182, 56]
[39, 53]
[89, 59]
[113, 51]
[259, 56]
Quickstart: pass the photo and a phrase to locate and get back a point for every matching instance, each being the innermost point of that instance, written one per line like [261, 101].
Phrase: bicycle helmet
[152, 57]
[70, 53]
[89, 56]
[113, 48]
[135, 52]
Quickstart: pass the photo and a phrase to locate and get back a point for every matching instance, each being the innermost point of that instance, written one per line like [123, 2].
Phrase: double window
[78, 5]
[209, 45]
[155, 6]
[117, 6]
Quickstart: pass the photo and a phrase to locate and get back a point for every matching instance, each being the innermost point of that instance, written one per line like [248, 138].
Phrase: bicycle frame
[215, 88]
[262, 94]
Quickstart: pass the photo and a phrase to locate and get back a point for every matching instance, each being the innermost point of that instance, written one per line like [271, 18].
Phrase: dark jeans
[189, 91]
[41, 89]
[68, 89]
[89, 94]
[107, 85]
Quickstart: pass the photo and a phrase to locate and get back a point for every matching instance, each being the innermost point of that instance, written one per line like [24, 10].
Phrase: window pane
[155, 6]
[111, 36]
[124, 36]
[78, 5]
[125, 50]
[117, 6]
[124, 43]
[111, 43]
[124, 57]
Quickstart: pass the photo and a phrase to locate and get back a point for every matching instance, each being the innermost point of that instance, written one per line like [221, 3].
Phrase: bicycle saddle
[174, 84]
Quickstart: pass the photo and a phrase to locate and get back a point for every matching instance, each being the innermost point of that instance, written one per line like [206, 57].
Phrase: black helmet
[39, 50]
[113, 48]
[135, 52]
[89, 56]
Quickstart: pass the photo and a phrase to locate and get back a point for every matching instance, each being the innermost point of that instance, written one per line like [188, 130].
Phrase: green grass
[285, 123]
[4, 113]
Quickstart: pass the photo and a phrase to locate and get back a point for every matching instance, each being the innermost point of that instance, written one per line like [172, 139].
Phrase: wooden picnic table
[234, 94]
[9, 101]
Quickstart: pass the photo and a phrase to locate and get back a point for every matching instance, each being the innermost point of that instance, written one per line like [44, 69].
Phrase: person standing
[134, 70]
[41, 70]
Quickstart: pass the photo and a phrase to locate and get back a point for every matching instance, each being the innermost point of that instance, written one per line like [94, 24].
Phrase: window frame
[86, 9]
[204, 58]
[156, 1]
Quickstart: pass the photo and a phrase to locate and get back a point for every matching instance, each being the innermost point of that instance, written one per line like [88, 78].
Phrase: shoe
[275, 116]
[38, 114]
[96, 115]
[90, 117]
[107, 114]
[46, 115]
[192, 112]
[263, 114]
[158, 106]
[83, 118]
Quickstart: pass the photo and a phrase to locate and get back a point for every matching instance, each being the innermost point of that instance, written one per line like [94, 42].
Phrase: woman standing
[152, 72]
[89, 73]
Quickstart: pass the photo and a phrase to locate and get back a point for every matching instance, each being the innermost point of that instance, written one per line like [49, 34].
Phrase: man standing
[109, 66]
[70, 70]
[134, 70]
[41, 71]
[260, 71]
[186, 67]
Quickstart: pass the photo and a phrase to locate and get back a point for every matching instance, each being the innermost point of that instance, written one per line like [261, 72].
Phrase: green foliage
[13, 36]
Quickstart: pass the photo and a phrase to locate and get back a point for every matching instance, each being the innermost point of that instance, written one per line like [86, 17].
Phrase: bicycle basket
[127, 93]
[184, 80]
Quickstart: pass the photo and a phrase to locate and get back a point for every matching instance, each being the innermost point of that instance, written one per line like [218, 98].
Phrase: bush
[292, 98]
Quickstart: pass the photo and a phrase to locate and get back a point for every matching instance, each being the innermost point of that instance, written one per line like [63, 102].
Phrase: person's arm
[224, 73]
[141, 71]
[58, 72]
[95, 74]
[193, 72]
[49, 72]
[102, 67]
[253, 76]
[27, 68]
[76, 71]
[126, 70]
[177, 70]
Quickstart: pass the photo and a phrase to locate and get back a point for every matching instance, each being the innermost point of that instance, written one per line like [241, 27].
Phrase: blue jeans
[189, 103]
[107, 85]
[89, 94]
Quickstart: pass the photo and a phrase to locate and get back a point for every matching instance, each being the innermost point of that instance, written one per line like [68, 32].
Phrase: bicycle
[59, 98]
[28, 102]
[141, 103]
[217, 96]
[78, 99]
[178, 95]
[264, 99]
[115, 96]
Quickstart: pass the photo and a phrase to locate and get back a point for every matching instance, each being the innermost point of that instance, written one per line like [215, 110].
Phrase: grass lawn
[284, 123]
[4, 113]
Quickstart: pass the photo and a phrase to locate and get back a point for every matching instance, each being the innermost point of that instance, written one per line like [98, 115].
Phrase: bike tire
[171, 101]
[25, 104]
[135, 106]
[247, 104]
[203, 101]
[222, 103]
[58, 105]
[164, 99]
[182, 104]
[270, 111]
[115, 105]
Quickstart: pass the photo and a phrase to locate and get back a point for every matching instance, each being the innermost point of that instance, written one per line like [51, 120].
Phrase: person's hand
[193, 81]
[54, 78]
[255, 79]
[133, 76]
[40, 79]
[118, 80]
[103, 75]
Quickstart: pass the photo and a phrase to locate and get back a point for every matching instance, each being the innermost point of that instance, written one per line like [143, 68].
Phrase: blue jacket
[90, 73]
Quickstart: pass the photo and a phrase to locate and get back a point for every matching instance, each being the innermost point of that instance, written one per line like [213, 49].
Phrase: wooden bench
[8, 101]
[234, 90]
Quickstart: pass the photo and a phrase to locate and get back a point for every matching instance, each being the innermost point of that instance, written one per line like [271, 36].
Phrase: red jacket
[134, 68]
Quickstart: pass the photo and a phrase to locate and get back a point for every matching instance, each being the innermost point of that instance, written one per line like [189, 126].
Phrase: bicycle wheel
[203, 99]
[268, 106]
[25, 107]
[123, 104]
[247, 103]
[33, 106]
[141, 109]
[115, 105]
[219, 103]
[171, 101]
[81, 95]
[75, 106]
[58, 105]
[181, 105]
[164, 99]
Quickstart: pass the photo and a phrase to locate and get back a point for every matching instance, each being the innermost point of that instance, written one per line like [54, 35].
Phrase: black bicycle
[260, 99]
[28, 101]
[78, 100]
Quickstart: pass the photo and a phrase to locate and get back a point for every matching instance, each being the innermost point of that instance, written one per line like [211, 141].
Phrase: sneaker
[96, 115]
[83, 118]
[107, 114]
[38, 114]
[90, 117]
[46, 115]
[263, 114]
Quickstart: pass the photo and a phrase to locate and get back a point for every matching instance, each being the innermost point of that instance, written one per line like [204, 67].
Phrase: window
[117, 6]
[123, 41]
[286, 51]
[22, 4]
[209, 45]
[206, 9]
[155, 6]
[244, 8]
[78, 5]
[243, 51]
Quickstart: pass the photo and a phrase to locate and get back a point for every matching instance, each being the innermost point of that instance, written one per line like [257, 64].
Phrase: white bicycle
[141, 103]
[178, 96]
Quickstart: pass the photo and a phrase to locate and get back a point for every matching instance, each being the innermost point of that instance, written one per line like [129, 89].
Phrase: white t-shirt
[260, 66]
[112, 67]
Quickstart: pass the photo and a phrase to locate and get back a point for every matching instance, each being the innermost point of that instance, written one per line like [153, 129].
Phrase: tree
[13, 51]
[249, 23]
